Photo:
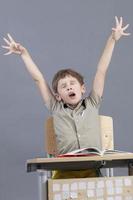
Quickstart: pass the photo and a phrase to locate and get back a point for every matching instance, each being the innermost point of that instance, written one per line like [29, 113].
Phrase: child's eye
[63, 86]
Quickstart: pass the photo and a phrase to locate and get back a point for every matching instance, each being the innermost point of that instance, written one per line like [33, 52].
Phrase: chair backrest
[106, 126]
[107, 136]
[50, 138]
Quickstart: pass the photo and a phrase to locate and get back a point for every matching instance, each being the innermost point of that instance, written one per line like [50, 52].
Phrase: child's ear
[83, 89]
[57, 96]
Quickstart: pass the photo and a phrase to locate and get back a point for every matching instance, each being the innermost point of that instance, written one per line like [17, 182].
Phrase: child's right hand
[12, 46]
[119, 30]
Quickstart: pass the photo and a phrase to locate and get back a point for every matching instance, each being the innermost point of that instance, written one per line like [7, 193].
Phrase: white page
[65, 187]
[56, 187]
[74, 186]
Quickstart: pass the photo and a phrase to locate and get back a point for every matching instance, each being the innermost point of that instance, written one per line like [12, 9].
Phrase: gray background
[58, 34]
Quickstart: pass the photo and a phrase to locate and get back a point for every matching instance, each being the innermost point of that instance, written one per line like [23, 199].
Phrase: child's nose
[69, 88]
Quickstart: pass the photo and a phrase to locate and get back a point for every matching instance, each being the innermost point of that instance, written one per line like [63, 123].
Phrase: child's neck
[71, 106]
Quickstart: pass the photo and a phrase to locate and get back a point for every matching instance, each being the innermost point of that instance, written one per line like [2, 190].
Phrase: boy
[75, 119]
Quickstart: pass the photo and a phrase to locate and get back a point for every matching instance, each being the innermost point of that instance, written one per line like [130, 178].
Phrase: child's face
[70, 90]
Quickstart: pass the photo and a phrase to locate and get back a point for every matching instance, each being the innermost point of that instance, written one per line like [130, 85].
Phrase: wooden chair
[106, 127]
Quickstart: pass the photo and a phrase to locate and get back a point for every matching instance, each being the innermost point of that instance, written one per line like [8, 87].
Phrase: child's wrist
[113, 37]
[23, 52]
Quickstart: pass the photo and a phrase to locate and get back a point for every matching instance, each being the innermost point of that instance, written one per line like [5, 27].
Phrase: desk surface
[76, 163]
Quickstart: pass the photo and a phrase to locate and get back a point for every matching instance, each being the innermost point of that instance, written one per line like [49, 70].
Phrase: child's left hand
[118, 31]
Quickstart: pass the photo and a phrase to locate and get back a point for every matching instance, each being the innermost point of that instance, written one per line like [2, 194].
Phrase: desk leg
[130, 169]
[42, 182]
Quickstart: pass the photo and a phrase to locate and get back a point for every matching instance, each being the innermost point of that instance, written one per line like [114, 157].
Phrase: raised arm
[117, 32]
[32, 68]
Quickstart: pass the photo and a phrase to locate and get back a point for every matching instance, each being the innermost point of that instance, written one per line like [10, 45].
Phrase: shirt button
[78, 135]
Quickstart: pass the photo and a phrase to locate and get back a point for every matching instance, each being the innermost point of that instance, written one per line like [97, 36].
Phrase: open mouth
[72, 94]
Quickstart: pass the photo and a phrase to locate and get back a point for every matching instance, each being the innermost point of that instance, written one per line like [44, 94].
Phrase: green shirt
[79, 127]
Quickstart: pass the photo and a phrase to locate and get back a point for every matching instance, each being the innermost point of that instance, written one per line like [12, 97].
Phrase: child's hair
[62, 74]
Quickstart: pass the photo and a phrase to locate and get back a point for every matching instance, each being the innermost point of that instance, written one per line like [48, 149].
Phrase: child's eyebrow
[73, 81]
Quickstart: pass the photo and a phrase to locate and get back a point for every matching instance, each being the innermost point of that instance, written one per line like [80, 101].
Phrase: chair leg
[109, 172]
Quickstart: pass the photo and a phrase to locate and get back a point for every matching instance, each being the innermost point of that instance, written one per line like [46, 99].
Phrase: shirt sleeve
[94, 99]
[52, 104]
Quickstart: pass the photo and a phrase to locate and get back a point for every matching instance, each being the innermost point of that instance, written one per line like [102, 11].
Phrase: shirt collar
[82, 102]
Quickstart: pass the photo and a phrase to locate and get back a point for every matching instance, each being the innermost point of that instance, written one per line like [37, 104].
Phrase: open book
[89, 151]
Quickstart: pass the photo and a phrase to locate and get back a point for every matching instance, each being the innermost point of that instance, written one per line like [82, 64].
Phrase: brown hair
[63, 73]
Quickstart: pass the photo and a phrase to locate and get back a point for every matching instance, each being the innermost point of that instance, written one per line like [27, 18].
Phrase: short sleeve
[52, 104]
[94, 99]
